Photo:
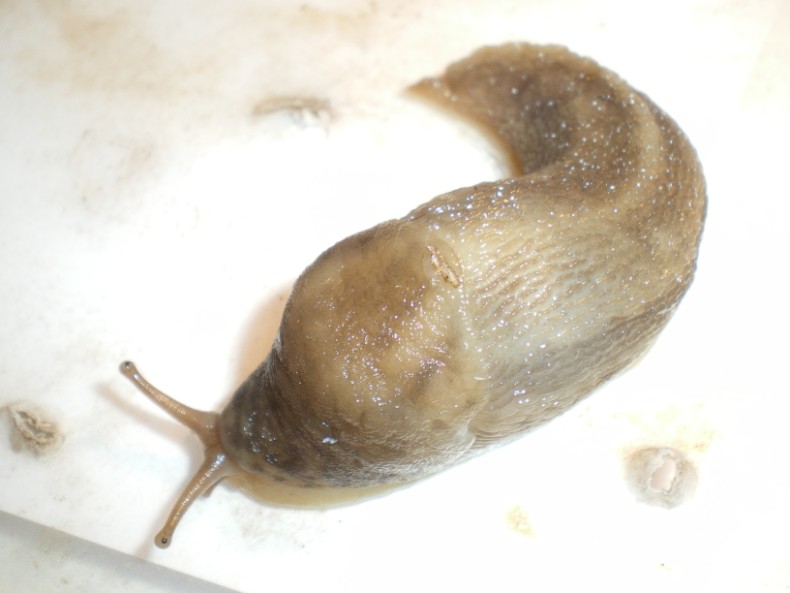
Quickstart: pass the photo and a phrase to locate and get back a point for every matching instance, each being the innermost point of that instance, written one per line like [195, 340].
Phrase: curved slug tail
[520, 95]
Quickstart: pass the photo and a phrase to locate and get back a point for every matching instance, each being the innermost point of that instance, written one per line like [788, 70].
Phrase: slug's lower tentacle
[216, 466]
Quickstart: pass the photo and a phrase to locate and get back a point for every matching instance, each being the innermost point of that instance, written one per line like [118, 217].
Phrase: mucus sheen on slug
[487, 310]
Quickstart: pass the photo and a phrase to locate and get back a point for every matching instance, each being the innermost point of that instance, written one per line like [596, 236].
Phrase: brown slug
[484, 312]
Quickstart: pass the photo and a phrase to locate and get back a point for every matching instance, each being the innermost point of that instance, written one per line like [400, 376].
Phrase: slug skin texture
[490, 309]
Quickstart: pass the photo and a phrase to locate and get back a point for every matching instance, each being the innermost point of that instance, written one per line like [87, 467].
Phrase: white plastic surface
[158, 197]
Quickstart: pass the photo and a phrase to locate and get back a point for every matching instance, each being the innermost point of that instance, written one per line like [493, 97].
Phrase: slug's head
[216, 465]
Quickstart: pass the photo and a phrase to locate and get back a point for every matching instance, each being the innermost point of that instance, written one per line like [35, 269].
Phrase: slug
[484, 312]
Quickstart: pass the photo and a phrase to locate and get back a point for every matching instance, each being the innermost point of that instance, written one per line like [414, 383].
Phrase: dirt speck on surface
[305, 111]
[661, 476]
[32, 429]
[519, 522]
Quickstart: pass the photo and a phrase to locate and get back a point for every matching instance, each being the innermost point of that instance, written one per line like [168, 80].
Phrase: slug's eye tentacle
[216, 465]
[203, 424]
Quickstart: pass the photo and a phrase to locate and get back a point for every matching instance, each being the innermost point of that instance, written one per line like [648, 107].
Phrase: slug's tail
[216, 465]
[524, 97]
[594, 238]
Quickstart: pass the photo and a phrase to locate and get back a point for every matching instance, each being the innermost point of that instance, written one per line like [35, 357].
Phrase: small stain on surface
[32, 430]
[305, 111]
[519, 522]
[661, 476]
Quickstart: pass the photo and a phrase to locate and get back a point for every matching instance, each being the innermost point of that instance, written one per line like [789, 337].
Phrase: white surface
[38, 559]
[149, 210]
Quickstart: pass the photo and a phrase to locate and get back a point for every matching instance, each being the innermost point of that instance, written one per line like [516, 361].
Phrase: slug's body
[487, 310]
